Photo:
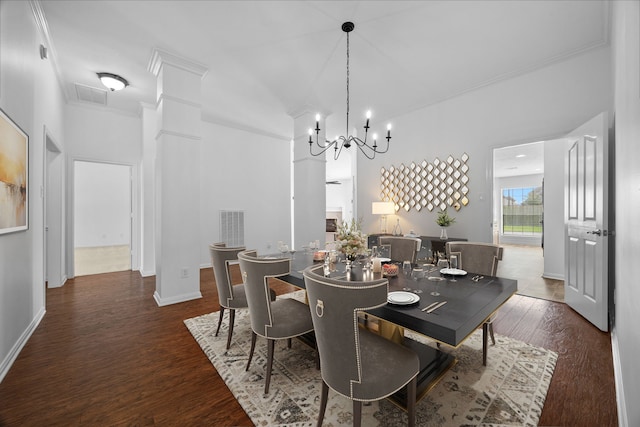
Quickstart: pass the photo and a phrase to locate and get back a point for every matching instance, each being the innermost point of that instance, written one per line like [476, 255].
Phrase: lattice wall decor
[439, 184]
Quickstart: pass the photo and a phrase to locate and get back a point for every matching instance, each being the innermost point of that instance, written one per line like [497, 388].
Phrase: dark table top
[469, 302]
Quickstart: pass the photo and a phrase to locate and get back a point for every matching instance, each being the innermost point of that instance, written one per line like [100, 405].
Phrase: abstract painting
[14, 174]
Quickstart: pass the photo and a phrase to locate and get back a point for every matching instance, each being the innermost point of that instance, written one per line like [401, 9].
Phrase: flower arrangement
[443, 219]
[350, 239]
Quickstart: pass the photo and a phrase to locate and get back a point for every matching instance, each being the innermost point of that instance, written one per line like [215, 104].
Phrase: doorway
[102, 217]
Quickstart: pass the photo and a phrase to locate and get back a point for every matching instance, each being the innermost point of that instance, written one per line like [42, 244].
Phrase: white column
[309, 176]
[177, 174]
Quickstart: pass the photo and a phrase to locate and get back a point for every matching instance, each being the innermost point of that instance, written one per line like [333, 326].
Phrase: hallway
[526, 265]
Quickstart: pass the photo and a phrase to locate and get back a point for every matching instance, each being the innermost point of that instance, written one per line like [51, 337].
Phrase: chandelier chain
[347, 133]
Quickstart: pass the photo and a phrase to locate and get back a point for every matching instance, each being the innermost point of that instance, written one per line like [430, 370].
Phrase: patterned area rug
[509, 391]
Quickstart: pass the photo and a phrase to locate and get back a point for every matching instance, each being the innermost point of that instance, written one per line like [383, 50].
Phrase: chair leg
[485, 338]
[357, 413]
[232, 318]
[289, 343]
[411, 401]
[324, 395]
[220, 320]
[253, 347]
[493, 338]
[270, 347]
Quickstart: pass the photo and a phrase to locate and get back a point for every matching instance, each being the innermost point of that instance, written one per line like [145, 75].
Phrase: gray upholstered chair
[274, 320]
[230, 297]
[355, 362]
[402, 248]
[478, 258]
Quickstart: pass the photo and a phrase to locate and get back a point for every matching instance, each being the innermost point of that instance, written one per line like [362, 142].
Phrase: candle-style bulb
[368, 114]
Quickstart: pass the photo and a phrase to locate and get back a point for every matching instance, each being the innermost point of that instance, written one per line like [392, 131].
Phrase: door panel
[586, 220]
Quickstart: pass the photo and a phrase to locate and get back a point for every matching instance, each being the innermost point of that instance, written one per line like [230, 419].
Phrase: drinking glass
[406, 268]
[453, 264]
[284, 249]
[453, 261]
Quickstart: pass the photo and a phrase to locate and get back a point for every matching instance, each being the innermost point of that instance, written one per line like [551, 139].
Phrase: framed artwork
[14, 175]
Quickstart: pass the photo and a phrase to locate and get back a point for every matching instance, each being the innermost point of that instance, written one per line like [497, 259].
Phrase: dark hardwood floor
[106, 354]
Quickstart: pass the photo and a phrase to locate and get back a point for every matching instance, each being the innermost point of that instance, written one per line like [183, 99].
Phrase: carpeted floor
[509, 391]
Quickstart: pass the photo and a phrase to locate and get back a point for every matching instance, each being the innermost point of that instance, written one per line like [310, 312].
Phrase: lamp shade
[383, 208]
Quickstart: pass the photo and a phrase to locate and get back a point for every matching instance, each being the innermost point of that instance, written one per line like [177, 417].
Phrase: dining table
[461, 303]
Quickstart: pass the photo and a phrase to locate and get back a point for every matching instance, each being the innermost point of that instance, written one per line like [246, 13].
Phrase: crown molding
[160, 57]
[52, 56]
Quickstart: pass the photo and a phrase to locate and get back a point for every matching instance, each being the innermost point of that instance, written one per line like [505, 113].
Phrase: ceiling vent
[91, 94]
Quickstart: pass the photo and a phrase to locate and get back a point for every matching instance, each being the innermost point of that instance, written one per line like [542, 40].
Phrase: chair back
[334, 306]
[255, 273]
[221, 258]
[402, 248]
[475, 257]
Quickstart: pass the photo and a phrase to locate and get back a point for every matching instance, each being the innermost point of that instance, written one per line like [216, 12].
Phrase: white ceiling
[266, 59]
[524, 159]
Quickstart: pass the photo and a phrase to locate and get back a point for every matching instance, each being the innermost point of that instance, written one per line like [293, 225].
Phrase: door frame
[135, 211]
[50, 146]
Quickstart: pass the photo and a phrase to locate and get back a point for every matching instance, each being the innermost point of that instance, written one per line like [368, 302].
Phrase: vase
[443, 233]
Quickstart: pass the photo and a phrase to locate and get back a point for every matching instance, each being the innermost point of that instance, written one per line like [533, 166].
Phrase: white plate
[384, 259]
[453, 271]
[402, 298]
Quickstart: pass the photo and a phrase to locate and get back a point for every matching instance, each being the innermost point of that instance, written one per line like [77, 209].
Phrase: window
[522, 211]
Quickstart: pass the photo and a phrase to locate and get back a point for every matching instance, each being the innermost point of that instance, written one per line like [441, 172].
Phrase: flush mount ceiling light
[113, 81]
[341, 142]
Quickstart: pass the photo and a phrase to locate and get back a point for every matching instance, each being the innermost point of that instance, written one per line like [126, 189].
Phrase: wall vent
[91, 94]
[232, 228]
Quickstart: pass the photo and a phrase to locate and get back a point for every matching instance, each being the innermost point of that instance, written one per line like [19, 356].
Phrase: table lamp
[383, 209]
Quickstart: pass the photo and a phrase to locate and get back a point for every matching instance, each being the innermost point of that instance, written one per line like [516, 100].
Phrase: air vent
[232, 228]
[91, 94]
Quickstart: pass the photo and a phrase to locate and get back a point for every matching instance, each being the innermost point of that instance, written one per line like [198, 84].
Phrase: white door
[586, 222]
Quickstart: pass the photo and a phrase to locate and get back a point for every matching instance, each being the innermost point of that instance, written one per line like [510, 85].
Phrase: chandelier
[341, 142]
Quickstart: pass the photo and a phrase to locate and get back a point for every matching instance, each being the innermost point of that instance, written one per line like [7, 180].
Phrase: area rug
[509, 391]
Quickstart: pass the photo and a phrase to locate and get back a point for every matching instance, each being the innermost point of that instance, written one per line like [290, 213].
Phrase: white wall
[554, 152]
[101, 135]
[626, 334]
[247, 172]
[102, 204]
[536, 106]
[30, 95]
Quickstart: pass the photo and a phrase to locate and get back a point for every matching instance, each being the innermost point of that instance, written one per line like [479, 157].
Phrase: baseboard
[176, 299]
[147, 273]
[17, 347]
[553, 276]
[617, 374]
[63, 280]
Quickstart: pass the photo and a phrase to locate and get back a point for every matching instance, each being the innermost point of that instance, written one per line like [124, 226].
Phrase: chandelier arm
[373, 148]
[337, 151]
[366, 154]
[322, 149]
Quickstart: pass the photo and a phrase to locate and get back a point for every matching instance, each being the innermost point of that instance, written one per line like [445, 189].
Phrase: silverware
[430, 306]
[436, 307]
